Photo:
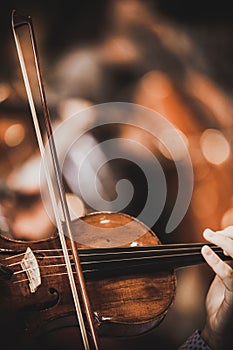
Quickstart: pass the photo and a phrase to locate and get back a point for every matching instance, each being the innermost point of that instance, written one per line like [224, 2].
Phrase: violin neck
[150, 258]
[190, 254]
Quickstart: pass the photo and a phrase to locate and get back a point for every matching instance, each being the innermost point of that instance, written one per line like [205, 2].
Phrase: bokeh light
[215, 147]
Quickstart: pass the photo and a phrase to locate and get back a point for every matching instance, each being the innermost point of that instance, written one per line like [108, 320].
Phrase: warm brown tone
[125, 303]
[129, 279]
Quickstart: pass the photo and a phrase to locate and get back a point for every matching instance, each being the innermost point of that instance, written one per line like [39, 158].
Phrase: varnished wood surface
[123, 305]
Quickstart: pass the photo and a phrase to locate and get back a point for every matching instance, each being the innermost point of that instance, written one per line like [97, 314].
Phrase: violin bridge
[31, 267]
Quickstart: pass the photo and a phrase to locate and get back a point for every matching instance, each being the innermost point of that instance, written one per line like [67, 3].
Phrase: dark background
[188, 45]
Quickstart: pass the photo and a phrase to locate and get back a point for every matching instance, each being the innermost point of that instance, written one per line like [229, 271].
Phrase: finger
[226, 253]
[228, 231]
[220, 240]
[222, 270]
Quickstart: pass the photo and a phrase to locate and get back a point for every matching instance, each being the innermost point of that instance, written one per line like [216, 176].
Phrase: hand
[218, 329]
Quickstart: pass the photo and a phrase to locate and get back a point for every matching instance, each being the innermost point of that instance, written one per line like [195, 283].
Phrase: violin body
[124, 302]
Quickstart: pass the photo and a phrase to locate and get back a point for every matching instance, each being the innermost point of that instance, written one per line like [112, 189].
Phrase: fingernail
[208, 232]
[206, 250]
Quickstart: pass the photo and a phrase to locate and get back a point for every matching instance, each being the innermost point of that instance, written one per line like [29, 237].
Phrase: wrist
[212, 339]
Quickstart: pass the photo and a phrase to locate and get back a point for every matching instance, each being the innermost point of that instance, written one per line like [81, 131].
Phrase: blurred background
[174, 57]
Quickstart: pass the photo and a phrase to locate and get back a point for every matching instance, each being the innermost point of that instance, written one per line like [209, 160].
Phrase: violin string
[128, 252]
[37, 251]
[42, 266]
[100, 251]
[32, 259]
[55, 274]
[49, 275]
[91, 270]
[159, 247]
[112, 261]
[62, 257]
[14, 256]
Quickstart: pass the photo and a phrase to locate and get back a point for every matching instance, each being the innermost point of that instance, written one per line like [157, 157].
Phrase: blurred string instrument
[111, 285]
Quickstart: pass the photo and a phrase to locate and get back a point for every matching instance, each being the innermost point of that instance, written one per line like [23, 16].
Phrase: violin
[104, 274]
[131, 286]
